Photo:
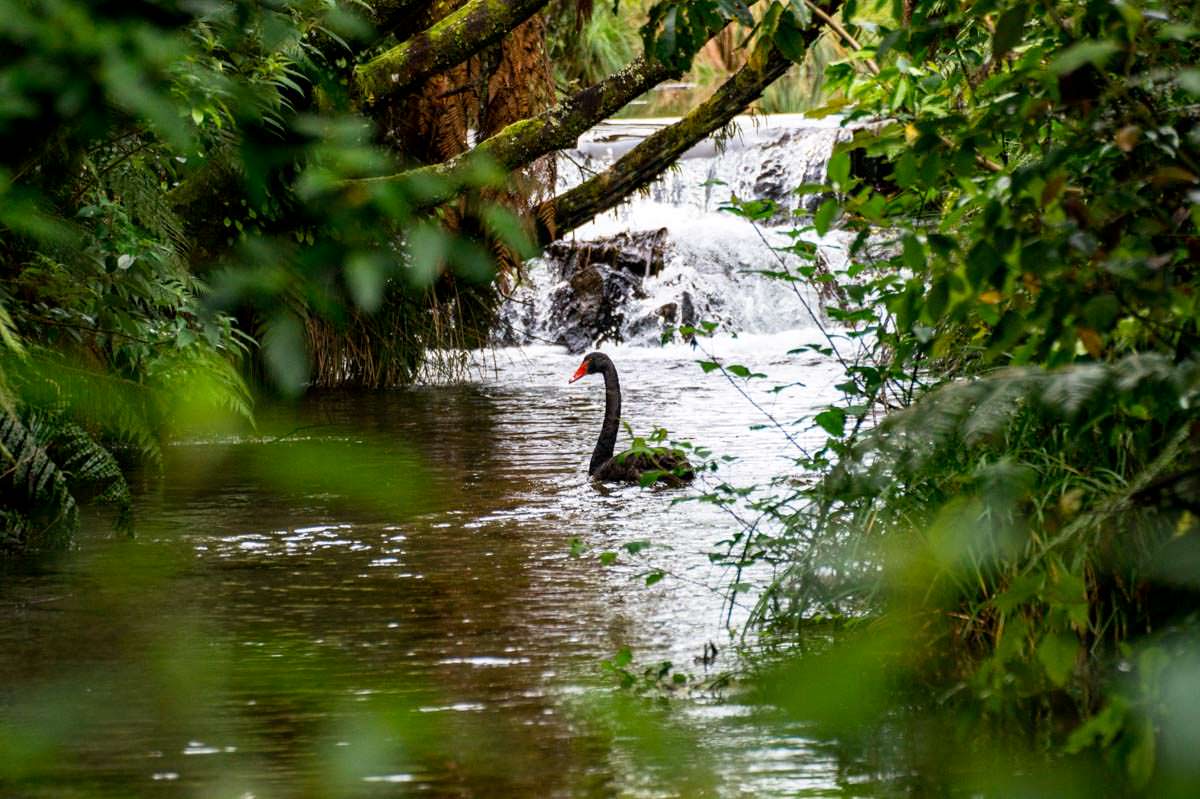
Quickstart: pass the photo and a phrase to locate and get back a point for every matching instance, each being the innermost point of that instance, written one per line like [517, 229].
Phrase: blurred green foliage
[177, 215]
[1004, 511]
[1002, 532]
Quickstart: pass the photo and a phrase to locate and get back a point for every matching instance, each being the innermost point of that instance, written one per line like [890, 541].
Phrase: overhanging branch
[525, 141]
[657, 152]
[449, 42]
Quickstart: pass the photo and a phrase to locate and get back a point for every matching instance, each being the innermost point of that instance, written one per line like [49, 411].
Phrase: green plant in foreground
[1002, 518]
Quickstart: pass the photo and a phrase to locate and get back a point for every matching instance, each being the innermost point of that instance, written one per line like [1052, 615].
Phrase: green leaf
[824, 216]
[738, 369]
[936, 300]
[427, 249]
[839, 169]
[649, 477]
[1102, 311]
[832, 420]
[286, 354]
[1102, 727]
[982, 263]
[913, 253]
[654, 577]
[1139, 763]
[941, 244]
[899, 93]
[1189, 80]
[1021, 590]
[1056, 653]
[508, 228]
[709, 366]
[800, 12]
[1089, 51]
[608, 558]
[366, 276]
[905, 170]
[790, 40]
[736, 9]
[1008, 30]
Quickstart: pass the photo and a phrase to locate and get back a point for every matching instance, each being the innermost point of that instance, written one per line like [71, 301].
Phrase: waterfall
[670, 255]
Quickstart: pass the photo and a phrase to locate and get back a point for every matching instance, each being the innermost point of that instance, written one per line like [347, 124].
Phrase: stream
[405, 593]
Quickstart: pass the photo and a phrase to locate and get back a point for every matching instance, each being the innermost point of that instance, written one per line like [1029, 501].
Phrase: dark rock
[687, 314]
[672, 315]
[687, 311]
[589, 307]
[641, 253]
[772, 180]
[776, 180]
[598, 278]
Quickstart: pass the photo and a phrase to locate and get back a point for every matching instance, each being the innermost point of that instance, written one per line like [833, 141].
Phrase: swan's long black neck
[606, 444]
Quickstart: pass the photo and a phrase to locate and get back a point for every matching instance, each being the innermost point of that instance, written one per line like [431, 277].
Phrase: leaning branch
[657, 152]
[452, 40]
[523, 142]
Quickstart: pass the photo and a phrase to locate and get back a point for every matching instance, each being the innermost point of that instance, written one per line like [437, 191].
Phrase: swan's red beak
[580, 372]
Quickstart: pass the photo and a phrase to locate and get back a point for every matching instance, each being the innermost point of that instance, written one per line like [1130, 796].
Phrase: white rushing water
[712, 255]
[761, 157]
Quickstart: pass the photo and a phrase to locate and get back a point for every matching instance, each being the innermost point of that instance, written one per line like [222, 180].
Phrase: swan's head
[593, 362]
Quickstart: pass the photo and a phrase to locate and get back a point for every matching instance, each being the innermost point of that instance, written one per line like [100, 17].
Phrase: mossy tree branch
[450, 41]
[651, 157]
[523, 142]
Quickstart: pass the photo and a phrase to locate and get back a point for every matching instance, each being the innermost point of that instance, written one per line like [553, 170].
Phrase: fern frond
[197, 381]
[136, 184]
[971, 413]
[91, 471]
[545, 214]
[1067, 392]
[38, 506]
[123, 410]
[995, 411]
[8, 333]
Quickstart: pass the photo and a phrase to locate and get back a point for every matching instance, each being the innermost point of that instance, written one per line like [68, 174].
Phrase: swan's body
[627, 466]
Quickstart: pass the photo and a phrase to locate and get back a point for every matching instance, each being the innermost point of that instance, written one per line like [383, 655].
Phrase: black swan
[630, 465]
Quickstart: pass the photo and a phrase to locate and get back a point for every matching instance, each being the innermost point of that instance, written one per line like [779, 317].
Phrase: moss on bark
[657, 152]
[522, 142]
[450, 41]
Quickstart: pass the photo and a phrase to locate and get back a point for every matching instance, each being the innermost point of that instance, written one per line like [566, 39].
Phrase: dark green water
[377, 596]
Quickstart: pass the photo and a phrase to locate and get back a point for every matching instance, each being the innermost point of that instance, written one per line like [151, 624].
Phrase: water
[257, 633]
[403, 593]
[761, 157]
[711, 255]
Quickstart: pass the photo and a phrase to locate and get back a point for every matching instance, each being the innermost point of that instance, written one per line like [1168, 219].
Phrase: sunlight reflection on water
[471, 606]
